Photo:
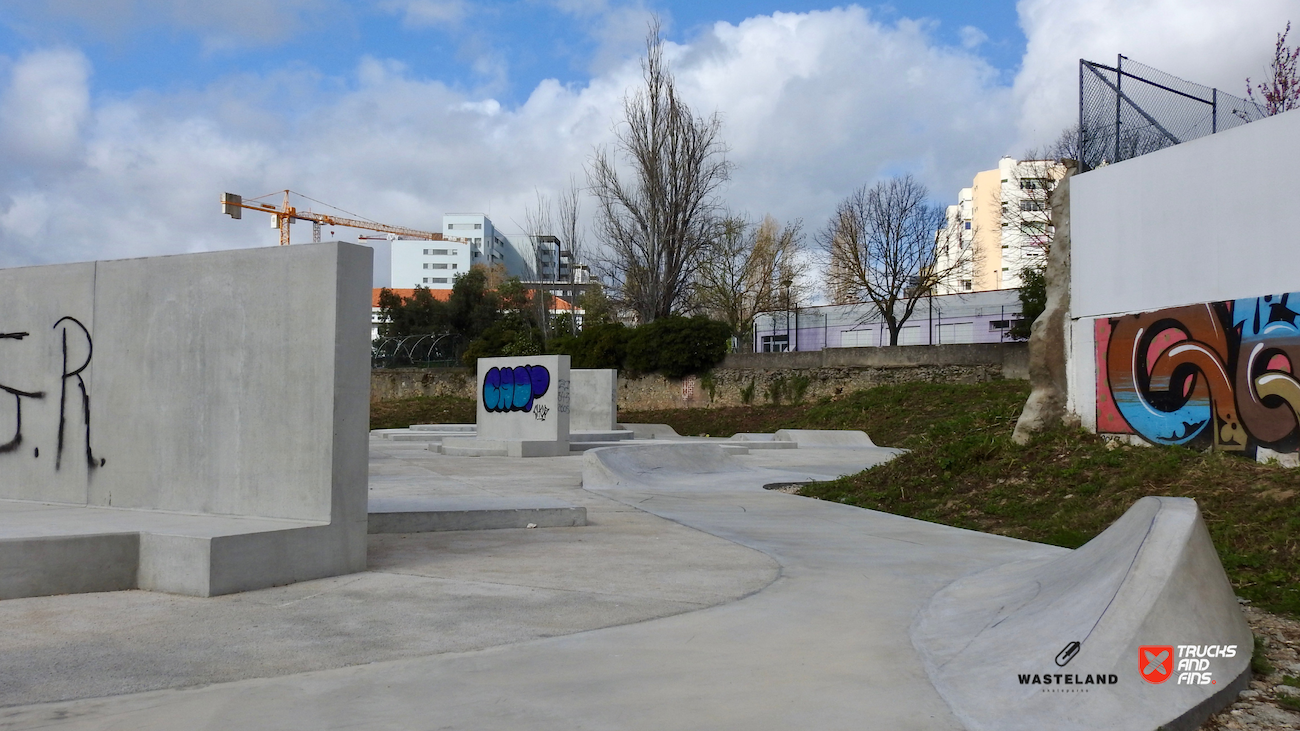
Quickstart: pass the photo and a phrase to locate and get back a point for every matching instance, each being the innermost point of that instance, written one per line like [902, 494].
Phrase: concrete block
[594, 399]
[650, 431]
[459, 428]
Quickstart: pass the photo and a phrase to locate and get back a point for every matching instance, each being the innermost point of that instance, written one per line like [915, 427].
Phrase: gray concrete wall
[230, 384]
[210, 381]
[594, 399]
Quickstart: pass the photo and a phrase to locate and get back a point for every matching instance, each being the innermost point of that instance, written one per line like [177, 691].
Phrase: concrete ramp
[1066, 641]
[651, 431]
[668, 464]
[825, 437]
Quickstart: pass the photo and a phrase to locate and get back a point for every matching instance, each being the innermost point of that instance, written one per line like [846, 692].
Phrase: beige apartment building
[999, 226]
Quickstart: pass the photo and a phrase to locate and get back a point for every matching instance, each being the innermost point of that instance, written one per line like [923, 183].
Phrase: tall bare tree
[658, 221]
[747, 269]
[881, 246]
[1282, 90]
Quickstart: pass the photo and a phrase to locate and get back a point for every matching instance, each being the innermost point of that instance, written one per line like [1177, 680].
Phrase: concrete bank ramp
[825, 437]
[1000, 645]
[686, 465]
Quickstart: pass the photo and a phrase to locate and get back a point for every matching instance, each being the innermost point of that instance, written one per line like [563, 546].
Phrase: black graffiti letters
[76, 349]
[67, 322]
[13, 444]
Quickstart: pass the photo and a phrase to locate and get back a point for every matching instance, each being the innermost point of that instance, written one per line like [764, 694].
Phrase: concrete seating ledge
[48, 549]
[430, 514]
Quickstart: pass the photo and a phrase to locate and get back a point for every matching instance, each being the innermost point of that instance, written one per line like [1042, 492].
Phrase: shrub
[597, 346]
[677, 346]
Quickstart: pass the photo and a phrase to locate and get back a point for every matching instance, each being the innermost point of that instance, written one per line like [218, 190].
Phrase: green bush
[597, 346]
[677, 346]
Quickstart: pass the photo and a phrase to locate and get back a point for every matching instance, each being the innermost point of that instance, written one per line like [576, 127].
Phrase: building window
[999, 325]
[968, 225]
[1033, 228]
[464, 226]
[966, 284]
[435, 252]
[435, 266]
[775, 343]
[1035, 184]
[478, 241]
[1033, 204]
[439, 280]
[453, 266]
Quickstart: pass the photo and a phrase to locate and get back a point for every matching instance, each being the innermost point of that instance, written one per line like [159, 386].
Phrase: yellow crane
[233, 205]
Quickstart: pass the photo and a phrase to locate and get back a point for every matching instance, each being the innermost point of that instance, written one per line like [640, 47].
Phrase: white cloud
[972, 37]
[427, 13]
[814, 104]
[43, 110]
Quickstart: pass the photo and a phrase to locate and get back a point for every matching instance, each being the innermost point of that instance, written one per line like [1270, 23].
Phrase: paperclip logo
[1156, 662]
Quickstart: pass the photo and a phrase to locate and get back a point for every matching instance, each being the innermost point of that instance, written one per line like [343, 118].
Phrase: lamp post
[787, 284]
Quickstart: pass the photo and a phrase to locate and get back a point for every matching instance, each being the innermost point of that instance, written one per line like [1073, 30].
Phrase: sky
[122, 121]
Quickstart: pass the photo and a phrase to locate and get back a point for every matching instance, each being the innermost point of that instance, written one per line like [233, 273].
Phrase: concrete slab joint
[226, 449]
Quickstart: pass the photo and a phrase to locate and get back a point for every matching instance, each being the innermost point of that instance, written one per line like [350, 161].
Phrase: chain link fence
[1132, 109]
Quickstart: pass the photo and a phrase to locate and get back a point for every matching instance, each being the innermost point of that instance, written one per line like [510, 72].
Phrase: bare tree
[747, 270]
[881, 246]
[568, 217]
[658, 223]
[1282, 91]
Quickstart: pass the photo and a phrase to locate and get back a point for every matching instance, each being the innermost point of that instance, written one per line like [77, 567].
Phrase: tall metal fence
[1133, 109]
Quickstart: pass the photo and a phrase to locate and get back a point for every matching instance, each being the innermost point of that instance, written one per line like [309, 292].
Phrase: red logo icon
[1156, 662]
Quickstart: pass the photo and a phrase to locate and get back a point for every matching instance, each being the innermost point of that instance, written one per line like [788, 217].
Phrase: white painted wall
[1212, 219]
[1208, 220]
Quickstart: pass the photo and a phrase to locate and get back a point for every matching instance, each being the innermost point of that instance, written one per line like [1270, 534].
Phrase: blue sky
[121, 121]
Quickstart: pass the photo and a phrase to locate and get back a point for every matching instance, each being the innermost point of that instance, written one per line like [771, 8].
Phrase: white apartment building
[407, 264]
[999, 226]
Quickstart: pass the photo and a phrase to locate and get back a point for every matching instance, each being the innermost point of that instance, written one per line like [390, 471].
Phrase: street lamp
[786, 283]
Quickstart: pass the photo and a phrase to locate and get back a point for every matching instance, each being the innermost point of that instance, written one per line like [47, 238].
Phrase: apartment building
[473, 239]
[999, 226]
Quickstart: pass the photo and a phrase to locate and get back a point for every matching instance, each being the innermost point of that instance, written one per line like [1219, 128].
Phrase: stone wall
[736, 387]
[763, 376]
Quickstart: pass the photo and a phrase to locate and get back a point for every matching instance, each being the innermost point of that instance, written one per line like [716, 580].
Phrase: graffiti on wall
[1221, 375]
[73, 365]
[515, 389]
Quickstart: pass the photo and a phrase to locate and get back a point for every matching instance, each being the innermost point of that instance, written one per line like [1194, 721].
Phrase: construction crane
[233, 205]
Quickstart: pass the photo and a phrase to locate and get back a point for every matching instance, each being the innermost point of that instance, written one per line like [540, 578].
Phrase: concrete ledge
[474, 447]
[50, 549]
[462, 429]
[49, 565]
[600, 436]
[1151, 579]
[425, 515]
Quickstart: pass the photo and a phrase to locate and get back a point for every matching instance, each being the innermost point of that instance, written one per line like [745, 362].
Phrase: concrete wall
[1174, 252]
[594, 399]
[220, 384]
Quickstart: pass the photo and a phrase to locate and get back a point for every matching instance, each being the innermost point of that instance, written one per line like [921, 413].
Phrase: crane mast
[233, 205]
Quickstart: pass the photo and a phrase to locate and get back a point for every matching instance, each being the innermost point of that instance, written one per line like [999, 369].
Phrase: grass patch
[1063, 488]
[1259, 662]
[401, 413]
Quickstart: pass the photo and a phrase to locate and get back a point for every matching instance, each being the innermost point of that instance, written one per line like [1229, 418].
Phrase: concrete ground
[710, 607]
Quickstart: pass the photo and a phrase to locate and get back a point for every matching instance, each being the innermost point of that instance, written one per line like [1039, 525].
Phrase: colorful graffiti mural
[514, 389]
[1219, 375]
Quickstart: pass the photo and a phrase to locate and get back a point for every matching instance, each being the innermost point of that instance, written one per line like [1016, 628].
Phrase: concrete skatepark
[661, 586]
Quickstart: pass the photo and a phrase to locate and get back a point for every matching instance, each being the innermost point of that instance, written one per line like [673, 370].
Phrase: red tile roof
[442, 295]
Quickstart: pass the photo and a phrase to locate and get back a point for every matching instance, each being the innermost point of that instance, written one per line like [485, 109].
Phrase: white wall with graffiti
[1185, 293]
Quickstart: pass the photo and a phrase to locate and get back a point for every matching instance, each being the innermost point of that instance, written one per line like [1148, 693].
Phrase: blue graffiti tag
[514, 389]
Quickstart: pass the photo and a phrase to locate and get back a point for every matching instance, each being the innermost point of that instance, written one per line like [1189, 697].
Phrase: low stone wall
[738, 387]
[760, 378]
[387, 384]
